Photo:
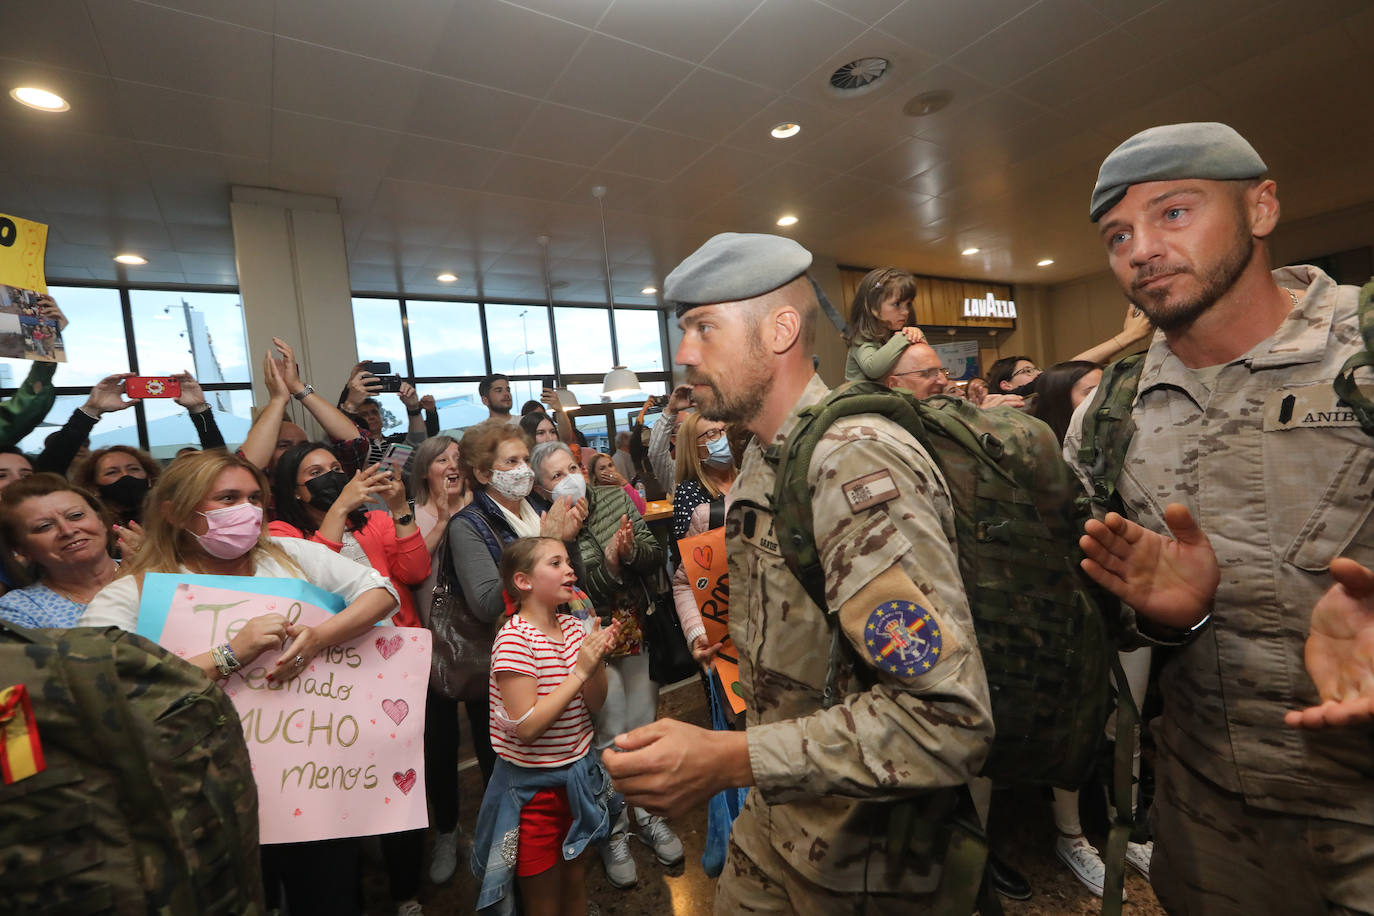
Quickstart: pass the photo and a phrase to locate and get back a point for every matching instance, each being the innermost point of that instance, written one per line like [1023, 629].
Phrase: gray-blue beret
[733, 266]
[1203, 149]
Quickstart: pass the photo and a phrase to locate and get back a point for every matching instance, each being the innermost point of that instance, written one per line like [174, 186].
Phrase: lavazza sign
[989, 308]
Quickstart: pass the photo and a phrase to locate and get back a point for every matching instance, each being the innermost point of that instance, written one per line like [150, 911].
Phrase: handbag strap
[717, 512]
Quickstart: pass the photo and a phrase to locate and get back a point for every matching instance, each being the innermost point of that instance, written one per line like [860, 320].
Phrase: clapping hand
[621, 545]
[1172, 582]
[564, 518]
[595, 645]
[1340, 651]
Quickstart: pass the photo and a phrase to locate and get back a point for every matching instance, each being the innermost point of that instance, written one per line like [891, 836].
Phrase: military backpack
[1044, 640]
[145, 802]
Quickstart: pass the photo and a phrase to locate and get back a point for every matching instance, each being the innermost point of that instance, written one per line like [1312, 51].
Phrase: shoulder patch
[870, 490]
[902, 638]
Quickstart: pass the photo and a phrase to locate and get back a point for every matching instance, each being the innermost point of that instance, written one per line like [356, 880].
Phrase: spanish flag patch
[21, 753]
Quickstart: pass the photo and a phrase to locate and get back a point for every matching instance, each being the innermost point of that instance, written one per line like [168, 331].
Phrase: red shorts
[544, 823]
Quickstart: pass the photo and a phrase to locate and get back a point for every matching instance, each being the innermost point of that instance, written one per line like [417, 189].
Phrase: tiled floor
[1021, 821]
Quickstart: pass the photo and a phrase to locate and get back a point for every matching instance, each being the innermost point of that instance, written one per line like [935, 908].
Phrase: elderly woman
[620, 558]
[210, 521]
[58, 534]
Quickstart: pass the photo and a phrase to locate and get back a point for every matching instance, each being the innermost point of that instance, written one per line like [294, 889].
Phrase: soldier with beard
[1238, 427]
[912, 714]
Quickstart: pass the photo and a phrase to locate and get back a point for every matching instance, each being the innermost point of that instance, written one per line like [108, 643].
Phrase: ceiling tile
[569, 134]
[119, 233]
[306, 144]
[480, 41]
[1065, 77]
[843, 193]
[452, 109]
[197, 171]
[623, 192]
[965, 92]
[197, 238]
[454, 165]
[1161, 25]
[169, 118]
[814, 32]
[582, 12]
[209, 210]
[208, 268]
[325, 83]
[254, 14]
[92, 100]
[618, 78]
[687, 30]
[651, 153]
[152, 44]
[898, 163]
[867, 11]
[404, 33]
[755, 134]
[525, 176]
[709, 105]
[57, 33]
[845, 146]
[1005, 55]
[941, 29]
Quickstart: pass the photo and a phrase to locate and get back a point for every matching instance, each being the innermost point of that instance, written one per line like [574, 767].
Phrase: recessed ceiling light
[969, 251]
[132, 259]
[649, 290]
[788, 220]
[786, 129]
[1044, 262]
[446, 278]
[41, 99]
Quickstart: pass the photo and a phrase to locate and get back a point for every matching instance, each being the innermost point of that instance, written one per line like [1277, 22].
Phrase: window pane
[377, 327]
[518, 336]
[170, 428]
[638, 336]
[584, 340]
[458, 403]
[118, 428]
[94, 341]
[202, 333]
[445, 338]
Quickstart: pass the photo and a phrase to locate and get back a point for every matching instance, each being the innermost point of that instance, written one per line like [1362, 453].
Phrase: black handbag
[670, 658]
[461, 656]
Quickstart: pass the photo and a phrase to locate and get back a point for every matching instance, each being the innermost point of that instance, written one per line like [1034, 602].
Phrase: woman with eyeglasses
[705, 474]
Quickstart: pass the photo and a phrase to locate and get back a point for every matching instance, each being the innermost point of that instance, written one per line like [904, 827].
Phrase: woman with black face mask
[122, 476]
[314, 499]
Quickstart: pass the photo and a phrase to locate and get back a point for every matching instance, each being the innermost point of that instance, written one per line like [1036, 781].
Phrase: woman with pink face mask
[205, 516]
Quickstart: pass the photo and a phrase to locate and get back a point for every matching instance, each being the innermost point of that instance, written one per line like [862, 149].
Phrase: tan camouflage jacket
[830, 776]
[1282, 480]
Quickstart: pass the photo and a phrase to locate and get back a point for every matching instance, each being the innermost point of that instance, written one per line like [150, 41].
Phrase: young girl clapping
[548, 798]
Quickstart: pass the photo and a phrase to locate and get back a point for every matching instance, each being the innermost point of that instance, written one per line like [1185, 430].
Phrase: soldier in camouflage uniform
[913, 713]
[1236, 421]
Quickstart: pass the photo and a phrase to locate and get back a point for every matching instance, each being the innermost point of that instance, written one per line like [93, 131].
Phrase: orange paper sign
[703, 560]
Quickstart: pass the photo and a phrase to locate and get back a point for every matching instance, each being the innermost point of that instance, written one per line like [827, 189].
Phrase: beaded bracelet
[225, 660]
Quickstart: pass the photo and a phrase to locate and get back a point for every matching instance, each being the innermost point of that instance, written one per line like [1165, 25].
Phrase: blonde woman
[705, 470]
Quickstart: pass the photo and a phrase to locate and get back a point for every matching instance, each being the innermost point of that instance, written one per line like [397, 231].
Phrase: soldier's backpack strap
[1107, 428]
[1344, 383]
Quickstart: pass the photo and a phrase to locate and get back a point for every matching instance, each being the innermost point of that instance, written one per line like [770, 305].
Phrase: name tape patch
[870, 490]
[902, 638]
[1313, 407]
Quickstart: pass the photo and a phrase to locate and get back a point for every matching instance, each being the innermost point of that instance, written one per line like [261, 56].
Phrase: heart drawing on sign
[389, 647]
[702, 556]
[396, 709]
[404, 781]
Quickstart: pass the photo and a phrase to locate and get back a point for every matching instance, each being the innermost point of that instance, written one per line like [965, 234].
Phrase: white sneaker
[620, 865]
[410, 908]
[445, 857]
[1138, 856]
[1084, 861]
[655, 833]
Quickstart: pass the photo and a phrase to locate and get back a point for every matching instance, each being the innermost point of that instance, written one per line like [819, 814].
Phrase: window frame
[131, 345]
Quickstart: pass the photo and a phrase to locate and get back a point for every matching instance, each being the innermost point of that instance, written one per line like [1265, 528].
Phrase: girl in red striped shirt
[546, 680]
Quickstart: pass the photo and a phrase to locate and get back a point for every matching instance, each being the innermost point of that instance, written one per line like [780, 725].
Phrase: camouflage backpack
[1043, 638]
[146, 802]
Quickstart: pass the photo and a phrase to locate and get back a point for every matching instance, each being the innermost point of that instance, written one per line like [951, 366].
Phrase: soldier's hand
[1340, 651]
[670, 768]
[1172, 582]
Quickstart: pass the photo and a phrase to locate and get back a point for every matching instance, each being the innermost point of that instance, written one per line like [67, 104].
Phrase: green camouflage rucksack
[146, 803]
[1044, 640]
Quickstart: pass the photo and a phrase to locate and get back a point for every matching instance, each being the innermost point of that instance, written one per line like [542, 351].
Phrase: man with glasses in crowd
[918, 370]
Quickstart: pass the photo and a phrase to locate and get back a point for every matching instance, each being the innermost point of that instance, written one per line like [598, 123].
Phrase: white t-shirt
[522, 648]
[117, 603]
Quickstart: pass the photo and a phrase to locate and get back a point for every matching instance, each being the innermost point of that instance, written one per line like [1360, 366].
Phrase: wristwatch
[304, 393]
[403, 520]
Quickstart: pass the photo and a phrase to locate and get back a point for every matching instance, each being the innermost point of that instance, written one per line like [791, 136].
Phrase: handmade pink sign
[337, 751]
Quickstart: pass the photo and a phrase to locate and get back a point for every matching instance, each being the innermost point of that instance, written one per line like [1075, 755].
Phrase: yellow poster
[28, 329]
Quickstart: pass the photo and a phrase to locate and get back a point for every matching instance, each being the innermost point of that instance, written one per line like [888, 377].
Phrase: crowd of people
[527, 556]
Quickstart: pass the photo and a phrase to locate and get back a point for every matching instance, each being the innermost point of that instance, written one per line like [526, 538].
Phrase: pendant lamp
[620, 383]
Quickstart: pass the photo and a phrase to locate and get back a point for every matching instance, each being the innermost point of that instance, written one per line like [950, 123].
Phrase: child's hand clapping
[595, 645]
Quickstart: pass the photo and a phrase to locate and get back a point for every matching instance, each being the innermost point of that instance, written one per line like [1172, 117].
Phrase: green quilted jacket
[639, 574]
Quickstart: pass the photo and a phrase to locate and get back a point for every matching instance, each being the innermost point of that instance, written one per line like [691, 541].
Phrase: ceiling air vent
[859, 76]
